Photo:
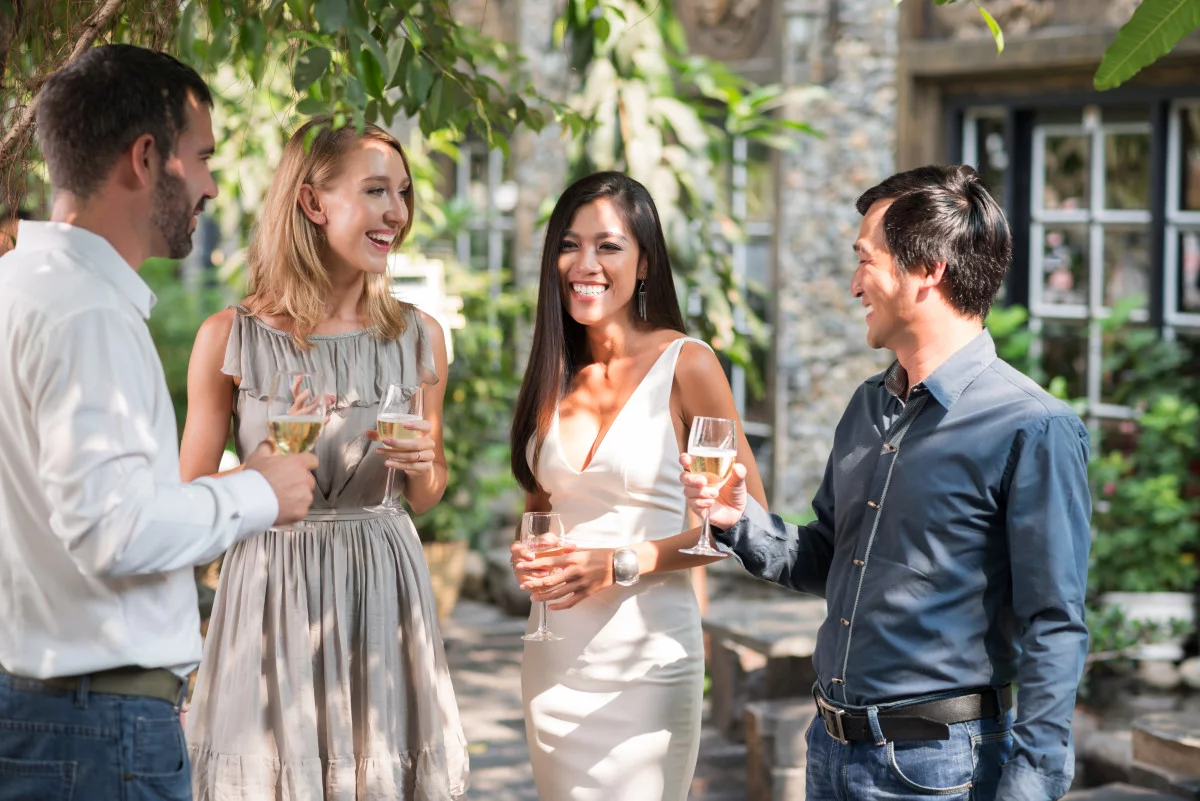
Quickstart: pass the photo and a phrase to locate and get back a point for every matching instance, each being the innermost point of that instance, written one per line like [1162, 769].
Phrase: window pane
[1064, 353]
[758, 264]
[1189, 271]
[1126, 264]
[760, 182]
[1065, 264]
[1189, 194]
[479, 251]
[1127, 171]
[1066, 173]
[477, 192]
[993, 155]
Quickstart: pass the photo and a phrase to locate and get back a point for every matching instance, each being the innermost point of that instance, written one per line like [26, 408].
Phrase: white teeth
[385, 239]
[591, 290]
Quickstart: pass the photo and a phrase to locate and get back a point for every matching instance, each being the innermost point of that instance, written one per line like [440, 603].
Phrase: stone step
[1166, 753]
[1118, 792]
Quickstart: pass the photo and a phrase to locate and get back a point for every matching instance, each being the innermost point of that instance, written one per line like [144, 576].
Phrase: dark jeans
[967, 766]
[60, 745]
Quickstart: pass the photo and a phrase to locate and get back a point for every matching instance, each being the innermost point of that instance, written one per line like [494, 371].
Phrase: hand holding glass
[712, 445]
[296, 409]
[542, 533]
[401, 403]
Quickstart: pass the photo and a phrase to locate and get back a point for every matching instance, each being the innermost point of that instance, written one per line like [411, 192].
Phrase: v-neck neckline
[597, 446]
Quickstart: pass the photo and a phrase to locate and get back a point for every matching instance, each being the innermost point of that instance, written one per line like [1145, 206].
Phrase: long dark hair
[559, 342]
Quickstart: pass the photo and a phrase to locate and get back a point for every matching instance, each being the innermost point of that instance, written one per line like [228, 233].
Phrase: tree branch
[99, 23]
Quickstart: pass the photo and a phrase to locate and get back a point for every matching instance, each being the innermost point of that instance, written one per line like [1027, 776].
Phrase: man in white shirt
[98, 535]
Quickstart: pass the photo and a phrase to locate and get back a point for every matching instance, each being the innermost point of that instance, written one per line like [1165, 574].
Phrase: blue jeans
[74, 745]
[966, 766]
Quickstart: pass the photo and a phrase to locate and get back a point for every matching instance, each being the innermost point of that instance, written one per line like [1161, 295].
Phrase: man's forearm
[797, 557]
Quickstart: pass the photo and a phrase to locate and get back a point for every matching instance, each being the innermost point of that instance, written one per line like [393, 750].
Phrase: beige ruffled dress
[324, 677]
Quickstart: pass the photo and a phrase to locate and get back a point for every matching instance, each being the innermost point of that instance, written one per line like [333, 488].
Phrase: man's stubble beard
[172, 213]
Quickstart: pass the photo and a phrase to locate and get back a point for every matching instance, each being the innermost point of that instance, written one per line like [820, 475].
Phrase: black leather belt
[158, 683]
[926, 721]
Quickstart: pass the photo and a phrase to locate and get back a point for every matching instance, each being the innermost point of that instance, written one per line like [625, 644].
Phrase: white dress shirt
[98, 533]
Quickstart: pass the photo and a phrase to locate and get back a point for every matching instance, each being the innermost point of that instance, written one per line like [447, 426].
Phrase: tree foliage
[357, 60]
[667, 118]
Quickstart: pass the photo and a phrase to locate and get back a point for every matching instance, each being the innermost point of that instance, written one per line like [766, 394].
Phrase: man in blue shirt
[952, 527]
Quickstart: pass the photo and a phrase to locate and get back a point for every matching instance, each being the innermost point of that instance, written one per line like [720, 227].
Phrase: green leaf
[310, 66]
[603, 28]
[252, 41]
[395, 58]
[370, 72]
[993, 26]
[1154, 28]
[560, 32]
[331, 14]
[185, 40]
[311, 106]
[420, 80]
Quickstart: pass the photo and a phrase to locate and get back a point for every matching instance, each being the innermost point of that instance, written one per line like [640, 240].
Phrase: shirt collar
[91, 250]
[948, 381]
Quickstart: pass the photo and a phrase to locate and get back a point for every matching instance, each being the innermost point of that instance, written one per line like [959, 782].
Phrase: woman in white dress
[612, 710]
[323, 677]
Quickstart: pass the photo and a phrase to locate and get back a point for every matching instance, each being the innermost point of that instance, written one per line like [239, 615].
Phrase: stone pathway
[483, 647]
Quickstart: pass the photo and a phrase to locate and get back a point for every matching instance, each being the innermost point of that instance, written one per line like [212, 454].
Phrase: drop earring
[641, 298]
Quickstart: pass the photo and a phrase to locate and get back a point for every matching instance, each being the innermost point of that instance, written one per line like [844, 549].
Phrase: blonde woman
[323, 672]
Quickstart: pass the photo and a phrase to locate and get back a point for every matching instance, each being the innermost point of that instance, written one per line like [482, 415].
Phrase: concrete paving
[483, 647]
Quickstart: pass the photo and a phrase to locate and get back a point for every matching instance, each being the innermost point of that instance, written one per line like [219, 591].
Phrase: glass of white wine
[712, 444]
[542, 533]
[296, 409]
[401, 403]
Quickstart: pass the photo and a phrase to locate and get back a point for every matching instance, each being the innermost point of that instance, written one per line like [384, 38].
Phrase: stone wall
[848, 49]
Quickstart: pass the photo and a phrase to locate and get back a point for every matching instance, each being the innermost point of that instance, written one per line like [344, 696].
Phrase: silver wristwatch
[625, 566]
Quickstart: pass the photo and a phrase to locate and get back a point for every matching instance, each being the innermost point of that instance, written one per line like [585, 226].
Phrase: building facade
[1102, 189]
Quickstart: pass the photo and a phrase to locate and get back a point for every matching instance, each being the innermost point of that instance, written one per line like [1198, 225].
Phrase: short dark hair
[946, 214]
[93, 109]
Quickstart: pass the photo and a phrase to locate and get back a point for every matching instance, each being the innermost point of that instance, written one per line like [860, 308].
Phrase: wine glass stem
[389, 489]
[542, 627]
[705, 536]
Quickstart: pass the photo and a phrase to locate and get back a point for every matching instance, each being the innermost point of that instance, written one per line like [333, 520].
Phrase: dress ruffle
[359, 364]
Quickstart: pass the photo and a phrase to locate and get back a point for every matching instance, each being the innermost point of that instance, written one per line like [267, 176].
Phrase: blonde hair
[286, 276]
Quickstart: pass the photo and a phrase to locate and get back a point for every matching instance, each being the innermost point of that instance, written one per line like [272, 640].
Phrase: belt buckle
[840, 733]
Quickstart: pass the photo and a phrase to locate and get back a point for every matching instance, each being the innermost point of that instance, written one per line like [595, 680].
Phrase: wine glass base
[382, 509]
[541, 636]
[702, 551]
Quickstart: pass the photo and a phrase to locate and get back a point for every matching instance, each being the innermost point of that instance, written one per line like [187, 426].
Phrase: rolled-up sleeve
[92, 396]
[1049, 513]
[793, 556]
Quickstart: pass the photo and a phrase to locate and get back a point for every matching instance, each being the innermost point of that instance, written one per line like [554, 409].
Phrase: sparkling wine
[391, 426]
[295, 434]
[715, 464]
[549, 550]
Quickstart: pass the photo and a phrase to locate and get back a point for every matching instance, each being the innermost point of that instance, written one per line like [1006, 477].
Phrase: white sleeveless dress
[612, 711]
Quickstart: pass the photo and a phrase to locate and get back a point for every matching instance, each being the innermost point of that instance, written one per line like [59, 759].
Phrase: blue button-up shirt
[951, 545]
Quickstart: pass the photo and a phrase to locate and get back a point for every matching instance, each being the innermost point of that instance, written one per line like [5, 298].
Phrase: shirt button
[859, 563]
[872, 504]
[845, 622]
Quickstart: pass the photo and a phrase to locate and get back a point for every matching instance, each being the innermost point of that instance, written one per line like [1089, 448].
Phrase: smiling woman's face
[362, 210]
[600, 264]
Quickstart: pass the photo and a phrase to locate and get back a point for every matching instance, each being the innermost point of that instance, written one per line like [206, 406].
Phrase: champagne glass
[712, 444]
[542, 533]
[401, 404]
[296, 407]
